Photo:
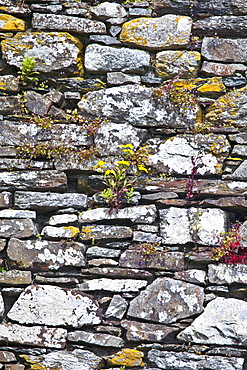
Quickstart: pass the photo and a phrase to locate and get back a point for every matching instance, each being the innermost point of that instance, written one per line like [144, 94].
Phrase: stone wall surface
[85, 286]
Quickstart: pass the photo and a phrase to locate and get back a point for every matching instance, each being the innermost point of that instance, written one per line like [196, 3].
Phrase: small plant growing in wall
[27, 73]
[119, 185]
[231, 249]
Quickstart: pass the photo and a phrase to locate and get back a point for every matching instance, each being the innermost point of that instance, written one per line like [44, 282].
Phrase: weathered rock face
[181, 226]
[102, 59]
[107, 10]
[191, 361]
[105, 232]
[33, 335]
[50, 305]
[224, 50]
[155, 33]
[138, 107]
[116, 285]
[175, 154]
[222, 322]
[99, 339]
[52, 50]
[44, 254]
[166, 301]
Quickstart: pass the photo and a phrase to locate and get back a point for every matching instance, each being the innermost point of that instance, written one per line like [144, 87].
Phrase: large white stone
[55, 306]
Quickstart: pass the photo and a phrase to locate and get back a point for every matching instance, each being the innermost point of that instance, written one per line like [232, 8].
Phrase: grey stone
[135, 257]
[33, 180]
[105, 232]
[119, 272]
[6, 356]
[78, 84]
[44, 254]
[107, 10]
[138, 107]
[169, 64]
[167, 32]
[221, 26]
[181, 226]
[56, 280]
[18, 228]
[141, 214]
[9, 104]
[140, 236]
[119, 78]
[72, 95]
[51, 305]
[148, 228]
[239, 150]
[102, 252]
[159, 195]
[175, 154]
[115, 30]
[105, 40]
[137, 12]
[191, 361]
[235, 81]
[46, 8]
[52, 50]
[240, 138]
[61, 219]
[67, 23]
[166, 301]
[12, 213]
[66, 360]
[9, 83]
[222, 323]
[141, 331]
[240, 173]
[224, 50]
[33, 335]
[64, 232]
[220, 69]
[113, 285]
[100, 58]
[2, 244]
[110, 136]
[117, 307]
[49, 201]
[15, 277]
[98, 339]
[102, 262]
[227, 274]
[5, 199]
[192, 276]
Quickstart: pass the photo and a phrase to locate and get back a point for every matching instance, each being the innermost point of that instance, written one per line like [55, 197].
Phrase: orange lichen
[126, 357]
[10, 23]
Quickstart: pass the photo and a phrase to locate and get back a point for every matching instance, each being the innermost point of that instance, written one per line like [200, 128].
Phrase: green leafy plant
[27, 73]
[119, 185]
[91, 124]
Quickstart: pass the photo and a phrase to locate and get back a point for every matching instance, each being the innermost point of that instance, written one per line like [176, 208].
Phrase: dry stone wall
[87, 287]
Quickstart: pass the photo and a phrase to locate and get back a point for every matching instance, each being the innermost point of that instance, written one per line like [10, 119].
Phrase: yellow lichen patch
[10, 23]
[126, 357]
[74, 230]
[36, 364]
[213, 85]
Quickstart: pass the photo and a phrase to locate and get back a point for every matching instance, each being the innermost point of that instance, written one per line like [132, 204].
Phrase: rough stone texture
[140, 331]
[192, 276]
[169, 64]
[18, 228]
[62, 219]
[5, 199]
[126, 357]
[117, 307]
[99, 339]
[15, 277]
[227, 274]
[119, 78]
[33, 180]
[49, 201]
[166, 301]
[167, 32]
[220, 69]
[102, 252]
[138, 214]
[33, 335]
[224, 50]
[10, 23]
[65, 360]
[67, 23]
[174, 155]
[223, 322]
[64, 232]
[44, 254]
[110, 136]
[6, 356]
[119, 272]
[239, 173]
[9, 83]
[135, 258]
[9, 105]
[137, 107]
[105, 232]
[2, 309]
[12, 213]
[102, 59]
[221, 26]
[191, 361]
[181, 226]
[113, 285]
[52, 50]
[51, 305]
[107, 10]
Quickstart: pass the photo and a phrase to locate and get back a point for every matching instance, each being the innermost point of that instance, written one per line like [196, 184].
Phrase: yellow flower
[123, 163]
[101, 163]
[142, 168]
[109, 172]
